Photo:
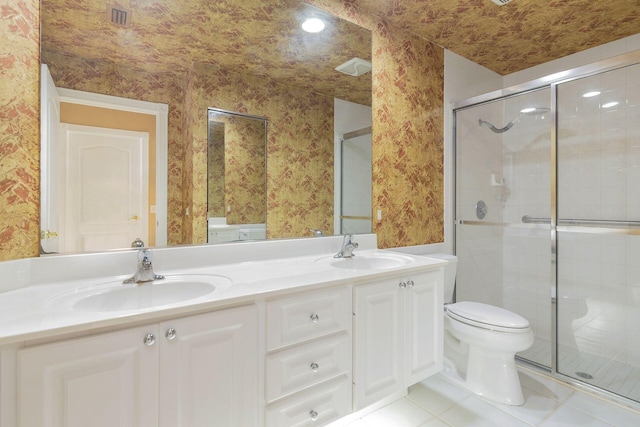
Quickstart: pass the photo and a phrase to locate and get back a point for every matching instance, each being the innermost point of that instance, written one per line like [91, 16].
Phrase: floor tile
[475, 412]
[535, 409]
[434, 423]
[604, 411]
[436, 395]
[568, 416]
[545, 386]
[401, 413]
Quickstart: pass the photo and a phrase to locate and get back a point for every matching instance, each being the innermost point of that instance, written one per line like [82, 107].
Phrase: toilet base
[494, 376]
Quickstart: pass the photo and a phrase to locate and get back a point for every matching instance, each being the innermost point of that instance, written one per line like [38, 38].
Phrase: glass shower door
[503, 205]
[598, 232]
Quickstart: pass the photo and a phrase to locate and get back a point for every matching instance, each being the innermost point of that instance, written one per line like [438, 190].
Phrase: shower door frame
[550, 82]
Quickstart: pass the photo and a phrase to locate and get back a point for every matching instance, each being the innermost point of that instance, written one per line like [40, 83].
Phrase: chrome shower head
[531, 111]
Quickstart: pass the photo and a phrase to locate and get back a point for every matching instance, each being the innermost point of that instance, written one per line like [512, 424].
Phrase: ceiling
[263, 37]
[514, 36]
[253, 37]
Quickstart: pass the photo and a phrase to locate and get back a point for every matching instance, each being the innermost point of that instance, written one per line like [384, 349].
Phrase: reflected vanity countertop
[47, 309]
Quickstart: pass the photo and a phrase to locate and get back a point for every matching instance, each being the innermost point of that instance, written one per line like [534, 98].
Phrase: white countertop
[37, 310]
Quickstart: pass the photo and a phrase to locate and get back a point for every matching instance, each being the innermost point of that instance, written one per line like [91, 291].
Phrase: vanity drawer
[314, 407]
[307, 316]
[305, 365]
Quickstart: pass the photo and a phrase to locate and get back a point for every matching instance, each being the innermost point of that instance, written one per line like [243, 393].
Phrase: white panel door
[106, 188]
[49, 161]
[378, 336]
[209, 370]
[423, 326]
[102, 381]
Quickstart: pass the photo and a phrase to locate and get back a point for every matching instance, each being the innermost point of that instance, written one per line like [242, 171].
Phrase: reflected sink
[376, 261]
[114, 296]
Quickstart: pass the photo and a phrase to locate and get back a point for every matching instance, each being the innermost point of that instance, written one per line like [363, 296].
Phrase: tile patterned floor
[607, 373]
[439, 403]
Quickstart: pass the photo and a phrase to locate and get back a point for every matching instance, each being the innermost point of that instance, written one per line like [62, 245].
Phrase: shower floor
[609, 374]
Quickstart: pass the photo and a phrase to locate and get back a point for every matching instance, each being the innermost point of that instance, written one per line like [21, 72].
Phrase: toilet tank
[449, 274]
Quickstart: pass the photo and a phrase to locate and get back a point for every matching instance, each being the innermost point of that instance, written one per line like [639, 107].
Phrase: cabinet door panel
[423, 327]
[377, 369]
[209, 370]
[101, 381]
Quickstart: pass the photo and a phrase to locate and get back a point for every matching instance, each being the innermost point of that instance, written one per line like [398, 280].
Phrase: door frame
[161, 113]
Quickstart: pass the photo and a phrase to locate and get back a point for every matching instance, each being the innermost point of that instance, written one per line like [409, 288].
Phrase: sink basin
[114, 296]
[377, 261]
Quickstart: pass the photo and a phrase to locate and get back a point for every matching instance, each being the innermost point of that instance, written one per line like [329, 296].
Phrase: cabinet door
[101, 381]
[209, 370]
[423, 326]
[378, 336]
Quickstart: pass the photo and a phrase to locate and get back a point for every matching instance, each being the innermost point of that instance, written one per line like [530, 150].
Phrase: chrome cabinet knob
[149, 339]
[410, 283]
[314, 415]
[315, 318]
[315, 367]
[402, 284]
[170, 334]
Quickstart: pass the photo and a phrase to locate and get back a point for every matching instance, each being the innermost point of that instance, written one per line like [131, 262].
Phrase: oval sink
[114, 296]
[378, 261]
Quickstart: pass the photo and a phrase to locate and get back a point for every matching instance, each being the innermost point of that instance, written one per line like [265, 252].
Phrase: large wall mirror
[250, 57]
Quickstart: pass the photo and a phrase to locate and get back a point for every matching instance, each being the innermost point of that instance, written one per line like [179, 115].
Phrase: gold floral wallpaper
[515, 36]
[408, 120]
[19, 130]
[407, 126]
[237, 169]
[299, 149]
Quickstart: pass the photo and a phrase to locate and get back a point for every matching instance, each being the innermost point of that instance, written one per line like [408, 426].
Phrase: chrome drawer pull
[149, 339]
[315, 367]
[170, 334]
[315, 318]
[314, 415]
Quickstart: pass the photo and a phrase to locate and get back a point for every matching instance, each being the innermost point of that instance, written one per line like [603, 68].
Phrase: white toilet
[480, 342]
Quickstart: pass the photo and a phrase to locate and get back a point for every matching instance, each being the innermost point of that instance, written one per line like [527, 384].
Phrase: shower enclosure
[547, 217]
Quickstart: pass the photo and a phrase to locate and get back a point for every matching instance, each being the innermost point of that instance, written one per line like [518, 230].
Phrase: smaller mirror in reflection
[236, 177]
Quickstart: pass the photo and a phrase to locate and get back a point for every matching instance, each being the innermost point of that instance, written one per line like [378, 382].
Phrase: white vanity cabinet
[308, 360]
[397, 334]
[193, 371]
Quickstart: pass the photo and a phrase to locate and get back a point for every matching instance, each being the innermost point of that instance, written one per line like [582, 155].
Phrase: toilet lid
[487, 316]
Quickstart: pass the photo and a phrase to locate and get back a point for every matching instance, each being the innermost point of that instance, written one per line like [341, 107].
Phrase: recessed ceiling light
[610, 104]
[313, 25]
[591, 94]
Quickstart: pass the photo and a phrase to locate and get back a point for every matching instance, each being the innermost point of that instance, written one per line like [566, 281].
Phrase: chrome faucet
[317, 233]
[144, 271]
[348, 245]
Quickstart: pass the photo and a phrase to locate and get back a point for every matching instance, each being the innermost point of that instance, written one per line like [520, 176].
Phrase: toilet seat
[488, 317]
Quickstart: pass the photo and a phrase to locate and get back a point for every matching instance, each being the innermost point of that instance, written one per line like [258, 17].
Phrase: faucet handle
[137, 243]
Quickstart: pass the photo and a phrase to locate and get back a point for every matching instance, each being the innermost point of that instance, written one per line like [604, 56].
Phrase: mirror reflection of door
[236, 174]
[105, 188]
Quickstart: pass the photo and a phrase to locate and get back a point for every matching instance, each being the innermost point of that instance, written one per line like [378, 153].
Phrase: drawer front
[305, 365]
[313, 407]
[311, 315]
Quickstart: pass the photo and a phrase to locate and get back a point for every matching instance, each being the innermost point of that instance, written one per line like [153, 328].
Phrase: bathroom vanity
[274, 333]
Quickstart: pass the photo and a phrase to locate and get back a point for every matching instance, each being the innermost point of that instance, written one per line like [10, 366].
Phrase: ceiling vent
[119, 15]
[501, 2]
[355, 67]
